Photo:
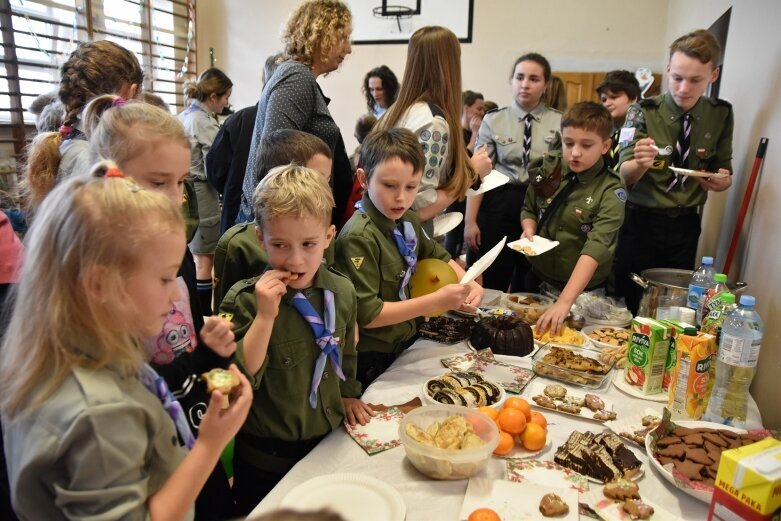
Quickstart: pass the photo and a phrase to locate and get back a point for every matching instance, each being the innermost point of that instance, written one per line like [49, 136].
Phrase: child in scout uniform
[295, 334]
[238, 255]
[618, 90]
[681, 128]
[379, 247]
[576, 200]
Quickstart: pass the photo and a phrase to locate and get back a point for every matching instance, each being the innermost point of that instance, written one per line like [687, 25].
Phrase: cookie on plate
[552, 505]
[621, 490]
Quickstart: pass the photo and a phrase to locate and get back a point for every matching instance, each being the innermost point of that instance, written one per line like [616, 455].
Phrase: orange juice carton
[689, 387]
[748, 483]
[649, 344]
[678, 328]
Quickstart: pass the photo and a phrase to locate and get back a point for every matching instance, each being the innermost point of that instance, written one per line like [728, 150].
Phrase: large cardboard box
[748, 484]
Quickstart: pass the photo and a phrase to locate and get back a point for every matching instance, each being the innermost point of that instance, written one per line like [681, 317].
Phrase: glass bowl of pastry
[448, 441]
[580, 366]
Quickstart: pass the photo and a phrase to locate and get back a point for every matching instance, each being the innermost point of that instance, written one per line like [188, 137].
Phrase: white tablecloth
[428, 499]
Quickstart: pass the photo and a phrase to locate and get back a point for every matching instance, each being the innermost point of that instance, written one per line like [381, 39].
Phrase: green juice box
[649, 346]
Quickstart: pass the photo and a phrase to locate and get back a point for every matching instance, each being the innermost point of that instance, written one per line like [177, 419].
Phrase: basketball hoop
[398, 12]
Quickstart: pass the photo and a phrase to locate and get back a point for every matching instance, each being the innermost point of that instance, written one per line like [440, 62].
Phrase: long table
[428, 499]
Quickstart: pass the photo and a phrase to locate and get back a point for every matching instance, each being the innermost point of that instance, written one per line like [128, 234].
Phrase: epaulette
[497, 109]
[647, 102]
[719, 101]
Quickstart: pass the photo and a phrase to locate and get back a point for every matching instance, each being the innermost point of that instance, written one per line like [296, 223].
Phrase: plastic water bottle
[741, 339]
[699, 282]
[718, 285]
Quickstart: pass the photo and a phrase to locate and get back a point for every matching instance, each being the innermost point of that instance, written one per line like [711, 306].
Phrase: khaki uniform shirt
[367, 253]
[587, 223]
[190, 209]
[96, 449]
[710, 148]
[280, 406]
[502, 133]
[240, 256]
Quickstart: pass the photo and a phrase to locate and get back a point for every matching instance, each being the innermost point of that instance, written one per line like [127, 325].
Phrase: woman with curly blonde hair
[317, 40]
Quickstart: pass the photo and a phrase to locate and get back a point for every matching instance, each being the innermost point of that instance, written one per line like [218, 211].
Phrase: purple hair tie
[118, 102]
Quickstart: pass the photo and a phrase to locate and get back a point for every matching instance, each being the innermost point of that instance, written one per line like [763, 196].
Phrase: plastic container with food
[528, 306]
[579, 366]
[448, 463]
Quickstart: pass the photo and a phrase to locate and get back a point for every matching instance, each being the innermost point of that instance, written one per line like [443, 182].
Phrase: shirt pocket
[287, 355]
[392, 273]
[578, 221]
[509, 149]
[703, 159]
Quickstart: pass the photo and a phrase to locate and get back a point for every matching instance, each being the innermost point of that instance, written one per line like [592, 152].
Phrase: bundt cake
[504, 335]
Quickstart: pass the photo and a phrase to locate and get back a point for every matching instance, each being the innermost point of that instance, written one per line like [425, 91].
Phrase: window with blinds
[37, 37]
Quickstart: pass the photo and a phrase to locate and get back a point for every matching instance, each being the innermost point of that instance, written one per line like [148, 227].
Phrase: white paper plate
[546, 473]
[633, 423]
[445, 222]
[531, 248]
[610, 510]
[538, 388]
[483, 262]
[620, 383]
[514, 501]
[602, 345]
[703, 495]
[355, 497]
[695, 173]
[493, 180]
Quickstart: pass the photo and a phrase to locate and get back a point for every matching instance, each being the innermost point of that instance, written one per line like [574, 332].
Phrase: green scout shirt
[240, 256]
[280, 406]
[587, 223]
[190, 209]
[710, 147]
[366, 252]
[502, 134]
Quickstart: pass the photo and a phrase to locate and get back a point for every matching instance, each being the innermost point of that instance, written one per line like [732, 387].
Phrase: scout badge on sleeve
[645, 78]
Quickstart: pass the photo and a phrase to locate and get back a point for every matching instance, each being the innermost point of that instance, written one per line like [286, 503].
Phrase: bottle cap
[747, 300]
[708, 261]
[720, 277]
[690, 331]
[728, 298]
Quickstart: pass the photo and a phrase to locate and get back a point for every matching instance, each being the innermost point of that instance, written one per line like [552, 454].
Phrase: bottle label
[694, 296]
[738, 351]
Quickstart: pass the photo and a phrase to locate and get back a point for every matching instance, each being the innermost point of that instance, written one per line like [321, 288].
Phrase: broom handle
[752, 180]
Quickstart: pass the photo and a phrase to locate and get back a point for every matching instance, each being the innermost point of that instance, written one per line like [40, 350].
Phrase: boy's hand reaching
[357, 411]
[553, 318]
[475, 296]
[269, 290]
[715, 184]
[219, 425]
[217, 335]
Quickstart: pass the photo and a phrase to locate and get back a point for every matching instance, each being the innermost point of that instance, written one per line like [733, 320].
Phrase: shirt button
[287, 361]
[329, 410]
[325, 375]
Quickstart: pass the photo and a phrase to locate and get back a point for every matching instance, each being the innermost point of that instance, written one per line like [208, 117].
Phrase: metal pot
[664, 287]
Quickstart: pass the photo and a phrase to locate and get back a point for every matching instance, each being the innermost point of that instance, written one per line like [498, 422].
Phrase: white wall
[752, 82]
[578, 35]
[584, 35]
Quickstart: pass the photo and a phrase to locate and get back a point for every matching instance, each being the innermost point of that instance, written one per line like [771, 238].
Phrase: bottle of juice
[718, 285]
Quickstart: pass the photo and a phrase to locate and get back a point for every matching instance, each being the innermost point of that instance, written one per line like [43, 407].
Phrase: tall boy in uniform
[662, 225]
[295, 335]
[577, 200]
[617, 91]
[379, 247]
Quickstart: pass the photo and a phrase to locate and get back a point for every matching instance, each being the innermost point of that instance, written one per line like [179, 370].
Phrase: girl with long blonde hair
[429, 104]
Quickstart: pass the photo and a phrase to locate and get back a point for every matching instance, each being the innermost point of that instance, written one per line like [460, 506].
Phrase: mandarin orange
[539, 419]
[484, 514]
[489, 411]
[511, 420]
[506, 443]
[515, 402]
[533, 437]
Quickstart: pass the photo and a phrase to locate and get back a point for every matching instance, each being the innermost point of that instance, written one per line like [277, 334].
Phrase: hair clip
[65, 130]
[118, 102]
[113, 172]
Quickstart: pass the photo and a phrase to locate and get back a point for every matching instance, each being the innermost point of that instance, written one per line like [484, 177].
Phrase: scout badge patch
[621, 194]
[357, 262]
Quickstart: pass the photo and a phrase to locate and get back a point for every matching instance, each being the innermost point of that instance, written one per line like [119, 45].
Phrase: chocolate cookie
[621, 490]
[698, 456]
[668, 440]
[715, 439]
[694, 439]
[689, 469]
[683, 431]
[673, 451]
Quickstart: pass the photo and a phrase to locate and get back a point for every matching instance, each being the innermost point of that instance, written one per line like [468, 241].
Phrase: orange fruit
[539, 419]
[484, 514]
[511, 420]
[506, 443]
[489, 411]
[533, 437]
[519, 403]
